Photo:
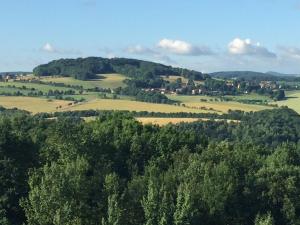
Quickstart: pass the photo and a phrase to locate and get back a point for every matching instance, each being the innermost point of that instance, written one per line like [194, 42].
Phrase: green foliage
[264, 220]
[59, 194]
[114, 212]
[87, 68]
[115, 171]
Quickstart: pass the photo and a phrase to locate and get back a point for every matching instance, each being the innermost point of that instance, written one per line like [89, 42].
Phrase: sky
[204, 35]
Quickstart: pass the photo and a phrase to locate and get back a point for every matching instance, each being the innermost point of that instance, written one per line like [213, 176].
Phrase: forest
[88, 68]
[116, 171]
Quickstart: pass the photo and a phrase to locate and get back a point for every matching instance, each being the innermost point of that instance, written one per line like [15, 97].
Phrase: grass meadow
[293, 101]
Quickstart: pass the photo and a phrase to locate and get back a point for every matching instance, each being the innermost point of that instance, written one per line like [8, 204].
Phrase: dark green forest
[116, 171]
[87, 68]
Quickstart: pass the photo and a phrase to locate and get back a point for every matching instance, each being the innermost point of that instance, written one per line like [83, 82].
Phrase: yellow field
[34, 105]
[109, 104]
[190, 98]
[292, 102]
[164, 121]
[109, 81]
[223, 107]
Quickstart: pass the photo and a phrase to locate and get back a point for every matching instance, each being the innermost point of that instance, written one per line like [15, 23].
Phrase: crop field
[38, 87]
[104, 81]
[110, 104]
[165, 121]
[251, 96]
[222, 107]
[292, 102]
[191, 98]
[94, 100]
[10, 90]
[34, 105]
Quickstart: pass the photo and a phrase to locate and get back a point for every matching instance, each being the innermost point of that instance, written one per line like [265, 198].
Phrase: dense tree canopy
[117, 171]
[86, 68]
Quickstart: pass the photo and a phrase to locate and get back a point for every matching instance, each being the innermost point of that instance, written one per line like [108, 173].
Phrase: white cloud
[139, 50]
[247, 47]
[183, 48]
[110, 55]
[49, 48]
[292, 52]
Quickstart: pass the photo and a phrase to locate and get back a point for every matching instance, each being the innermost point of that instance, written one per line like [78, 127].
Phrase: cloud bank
[183, 48]
[49, 48]
[247, 47]
[140, 50]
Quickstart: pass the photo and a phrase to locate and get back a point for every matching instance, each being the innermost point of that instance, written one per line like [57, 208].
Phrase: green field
[38, 87]
[293, 101]
[96, 100]
[104, 81]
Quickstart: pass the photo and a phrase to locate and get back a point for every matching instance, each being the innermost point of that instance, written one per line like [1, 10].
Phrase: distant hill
[87, 68]
[250, 75]
[282, 74]
[14, 73]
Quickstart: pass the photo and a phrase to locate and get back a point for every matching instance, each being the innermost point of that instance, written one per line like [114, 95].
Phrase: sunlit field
[34, 105]
[292, 102]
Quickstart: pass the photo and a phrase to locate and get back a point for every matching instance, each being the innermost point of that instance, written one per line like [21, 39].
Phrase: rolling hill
[88, 68]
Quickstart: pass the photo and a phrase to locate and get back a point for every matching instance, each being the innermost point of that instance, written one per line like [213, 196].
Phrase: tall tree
[60, 194]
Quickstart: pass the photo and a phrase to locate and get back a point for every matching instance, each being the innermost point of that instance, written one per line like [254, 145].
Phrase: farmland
[164, 121]
[103, 81]
[293, 101]
[104, 101]
[111, 104]
[210, 103]
[39, 87]
[31, 104]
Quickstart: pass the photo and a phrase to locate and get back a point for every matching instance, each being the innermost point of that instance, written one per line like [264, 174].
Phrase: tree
[114, 212]
[264, 219]
[184, 211]
[59, 194]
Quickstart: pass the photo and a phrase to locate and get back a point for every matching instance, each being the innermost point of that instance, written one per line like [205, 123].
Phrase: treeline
[224, 87]
[231, 115]
[116, 171]
[258, 76]
[87, 68]
[144, 96]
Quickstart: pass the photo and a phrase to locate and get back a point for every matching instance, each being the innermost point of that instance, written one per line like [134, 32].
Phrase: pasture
[38, 87]
[111, 104]
[293, 101]
[103, 81]
[222, 107]
[34, 105]
[165, 121]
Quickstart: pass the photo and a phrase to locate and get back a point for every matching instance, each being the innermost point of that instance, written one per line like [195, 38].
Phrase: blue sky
[206, 35]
